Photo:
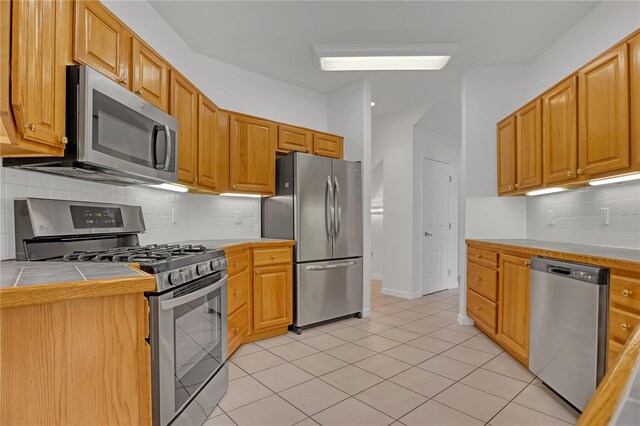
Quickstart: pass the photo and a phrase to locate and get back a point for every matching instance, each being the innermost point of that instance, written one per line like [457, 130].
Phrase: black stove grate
[138, 254]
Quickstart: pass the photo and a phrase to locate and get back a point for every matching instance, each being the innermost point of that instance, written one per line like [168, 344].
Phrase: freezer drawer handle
[334, 266]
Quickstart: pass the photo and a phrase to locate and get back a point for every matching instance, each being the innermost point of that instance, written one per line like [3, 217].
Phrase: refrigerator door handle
[328, 209]
[336, 208]
[332, 266]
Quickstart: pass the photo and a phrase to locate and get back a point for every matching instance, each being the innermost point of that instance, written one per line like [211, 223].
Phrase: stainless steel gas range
[188, 310]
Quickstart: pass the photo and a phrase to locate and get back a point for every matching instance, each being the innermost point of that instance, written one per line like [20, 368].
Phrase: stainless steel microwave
[114, 135]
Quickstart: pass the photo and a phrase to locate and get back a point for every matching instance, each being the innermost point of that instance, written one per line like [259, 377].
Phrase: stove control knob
[224, 263]
[203, 269]
[215, 265]
[177, 278]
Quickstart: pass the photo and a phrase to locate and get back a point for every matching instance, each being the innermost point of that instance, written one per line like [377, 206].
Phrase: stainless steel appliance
[188, 309]
[318, 203]
[568, 327]
[114, 135]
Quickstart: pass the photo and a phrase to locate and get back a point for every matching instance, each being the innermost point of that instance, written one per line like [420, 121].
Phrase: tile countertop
[627, 254]
[15, 273]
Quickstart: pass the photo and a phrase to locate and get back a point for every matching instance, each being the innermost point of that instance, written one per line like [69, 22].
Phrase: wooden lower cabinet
[624, 310]
[92, 362]
[513, 311]
[260, 293]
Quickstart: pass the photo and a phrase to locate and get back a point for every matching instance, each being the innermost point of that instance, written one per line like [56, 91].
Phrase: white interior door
[435, 225]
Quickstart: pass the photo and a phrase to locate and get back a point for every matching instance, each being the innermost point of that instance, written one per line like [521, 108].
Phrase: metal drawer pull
[236, 330]
[273, 256]
[626, 293]
[235, 264]
[334, 266]
[625, 327]
[478, 279]
[477, 308]
[478, 256]
[527, 263]
[236, 292]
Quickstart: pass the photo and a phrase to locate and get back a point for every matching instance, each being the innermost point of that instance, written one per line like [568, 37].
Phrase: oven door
[188, 343]
[121, 131]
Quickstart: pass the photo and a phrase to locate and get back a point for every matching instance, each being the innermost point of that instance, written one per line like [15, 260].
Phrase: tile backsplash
[198, 216]
[577, 216]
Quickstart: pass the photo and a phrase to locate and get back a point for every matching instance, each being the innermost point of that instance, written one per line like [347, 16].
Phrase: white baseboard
[366, 313]
[376, 277]
[397, 293]
[464, 320]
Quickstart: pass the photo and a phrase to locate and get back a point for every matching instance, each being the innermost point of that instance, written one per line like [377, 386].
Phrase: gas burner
[151, 253]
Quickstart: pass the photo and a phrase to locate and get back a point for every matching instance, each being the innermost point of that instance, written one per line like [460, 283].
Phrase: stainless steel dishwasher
[568, 327]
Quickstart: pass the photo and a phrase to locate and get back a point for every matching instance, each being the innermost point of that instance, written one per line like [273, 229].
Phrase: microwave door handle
[172, 303]
[167, 156]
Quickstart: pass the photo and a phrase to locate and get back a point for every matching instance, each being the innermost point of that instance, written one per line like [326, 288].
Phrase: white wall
[228, 86]
[377, 222]
[199, 216]
[349, 114]
[576, 216]
[392, 142]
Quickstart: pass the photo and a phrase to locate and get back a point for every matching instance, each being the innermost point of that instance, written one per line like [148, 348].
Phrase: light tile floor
[409, 363]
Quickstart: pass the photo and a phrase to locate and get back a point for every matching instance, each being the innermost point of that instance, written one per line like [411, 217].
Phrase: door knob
[626, 293]
[625, 327]
[426, 234]
[139, 91]
[30, 126]
[569, 173]
[579, 171]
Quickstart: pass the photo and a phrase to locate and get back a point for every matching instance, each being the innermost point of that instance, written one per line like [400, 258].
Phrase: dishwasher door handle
[559, 270]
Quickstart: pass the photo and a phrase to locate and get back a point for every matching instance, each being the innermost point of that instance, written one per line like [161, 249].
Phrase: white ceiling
[275, 38]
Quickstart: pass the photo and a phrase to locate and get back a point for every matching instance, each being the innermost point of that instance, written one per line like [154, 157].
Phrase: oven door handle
[172, 303]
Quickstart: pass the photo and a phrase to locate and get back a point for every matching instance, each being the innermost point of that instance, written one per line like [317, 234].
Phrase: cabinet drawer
[614, 350]
[237, 262]
[621, 323]
[272, 256]
[625, 291]
[483, 281]
[238, 327]
[482, 310]
[238, 290]
[482, 257]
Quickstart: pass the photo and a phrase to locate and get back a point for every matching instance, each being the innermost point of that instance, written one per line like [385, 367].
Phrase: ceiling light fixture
[545, 191]
[373, 104]
[618, 179]
[231, 194]
[384, 57]
[171, 187]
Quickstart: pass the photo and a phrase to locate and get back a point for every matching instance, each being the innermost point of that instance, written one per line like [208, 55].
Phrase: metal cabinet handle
[579, 172]
[122, 81]
[510, 187]
[236, 264]
[527, 263]
[626, 293]
[569, 173]
[426, 234]
[477, 308]
[64, 140]
[273, 256]
[31, 126]
[236, 292]
[478, 256]
[517, 185]
[236, 330]
[625, 327]
[478, 279]
[139, 92]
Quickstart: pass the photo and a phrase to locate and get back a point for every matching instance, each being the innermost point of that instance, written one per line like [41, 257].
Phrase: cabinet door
[184, 107]
[507, 155]
[513, 309]
[253, 154]
[101, 41]
[529, 145]
[634, 92]
[603, 110]
[560, 132]
[294, 139]
[150, 77]
[272, 297]
[39, 55]
[327, 145]
[213, 147]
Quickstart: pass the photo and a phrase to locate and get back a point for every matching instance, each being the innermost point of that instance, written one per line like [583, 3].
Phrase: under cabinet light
[232, 194]
[617, 179]
[383, 63]
[545, 191]
[171, 187]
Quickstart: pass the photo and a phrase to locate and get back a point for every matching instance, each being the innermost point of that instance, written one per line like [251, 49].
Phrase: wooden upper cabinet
[603, 111]
[513, 309]
[507, 155]
[213, 147]
[253, 154]
[184, 107]
[294, 139]
[560, 132]
[101, 41]
[634, 97]
[272, 297]
[150, 75]
[529, 145]
[327, 145]
[40, 52]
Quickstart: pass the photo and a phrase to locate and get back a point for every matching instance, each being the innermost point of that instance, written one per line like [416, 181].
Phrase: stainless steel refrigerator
[318, 203]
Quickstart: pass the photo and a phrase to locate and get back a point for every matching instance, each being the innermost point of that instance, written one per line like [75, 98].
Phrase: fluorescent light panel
[231, 194]
[171, 187]
[383, 63]
[545, 191]
[617, 179]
